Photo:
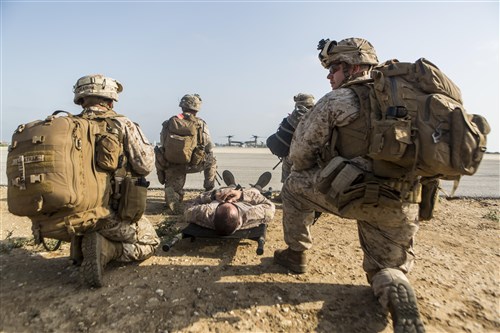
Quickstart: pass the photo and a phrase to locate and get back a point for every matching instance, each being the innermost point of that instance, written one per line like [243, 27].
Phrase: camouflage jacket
[337, 108]
[140, 151]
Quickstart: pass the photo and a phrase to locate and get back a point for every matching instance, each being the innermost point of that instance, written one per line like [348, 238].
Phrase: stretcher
[193, 231]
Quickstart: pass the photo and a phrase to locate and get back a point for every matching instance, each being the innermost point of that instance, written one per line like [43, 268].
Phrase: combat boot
[75, 250]
[293, 260]
[263, 180]
[228, 178]
[403, 308]
[97, 252]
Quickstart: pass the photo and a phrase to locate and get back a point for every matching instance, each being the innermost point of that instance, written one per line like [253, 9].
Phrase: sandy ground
[223, 286]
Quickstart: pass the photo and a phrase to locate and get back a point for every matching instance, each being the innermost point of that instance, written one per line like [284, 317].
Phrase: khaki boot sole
[228, 178]
[91, 266]
[404, 309]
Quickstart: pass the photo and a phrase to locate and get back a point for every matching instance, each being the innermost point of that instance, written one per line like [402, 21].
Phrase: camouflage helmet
[191, 102]
[306, 100]
[354, 51]
[96, 85]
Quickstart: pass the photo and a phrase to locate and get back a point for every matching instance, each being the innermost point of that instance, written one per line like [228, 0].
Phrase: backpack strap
[114, 128]
[112, 125]
[333, 143]
[201, 137]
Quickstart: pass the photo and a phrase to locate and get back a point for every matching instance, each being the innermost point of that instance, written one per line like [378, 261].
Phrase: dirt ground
[212, 285]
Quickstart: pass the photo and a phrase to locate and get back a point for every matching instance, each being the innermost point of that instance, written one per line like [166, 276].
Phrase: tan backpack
[58, 178]
[183, 141]
[418, 121]
[412, 123]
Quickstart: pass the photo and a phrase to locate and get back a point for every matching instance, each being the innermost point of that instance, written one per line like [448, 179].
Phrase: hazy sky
[246, 59]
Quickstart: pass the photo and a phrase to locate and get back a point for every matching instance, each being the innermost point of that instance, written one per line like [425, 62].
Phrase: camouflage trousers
[139, 239]
[286, 168]
[386, 237]
[175, 175]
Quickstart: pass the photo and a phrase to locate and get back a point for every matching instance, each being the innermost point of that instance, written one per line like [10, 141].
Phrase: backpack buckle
[436, 136]
[21, 180]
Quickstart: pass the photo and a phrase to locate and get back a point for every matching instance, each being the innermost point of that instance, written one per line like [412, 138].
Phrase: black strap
[55, 248]
[62, 111]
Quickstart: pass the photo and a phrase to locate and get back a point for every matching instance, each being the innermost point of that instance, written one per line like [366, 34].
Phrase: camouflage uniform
[386, 237]
[175, 174]
[286, 168]
[303, 103]
[329, 155]
[124, 235]
[254, 208]
[139, 239]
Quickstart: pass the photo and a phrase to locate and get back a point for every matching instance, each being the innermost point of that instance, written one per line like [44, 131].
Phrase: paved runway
[248, 163]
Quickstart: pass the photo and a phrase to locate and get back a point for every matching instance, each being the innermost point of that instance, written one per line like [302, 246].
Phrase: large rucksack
[183, 140]
[412, 123]
[55, 178]
[279, 142]
[418, 122]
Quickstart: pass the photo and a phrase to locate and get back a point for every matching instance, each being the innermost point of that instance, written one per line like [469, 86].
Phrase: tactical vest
[352, 139]
[347, 184]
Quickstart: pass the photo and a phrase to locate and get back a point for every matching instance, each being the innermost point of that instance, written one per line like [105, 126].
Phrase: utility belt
[345, 182]
[129, 196]
[410, 191]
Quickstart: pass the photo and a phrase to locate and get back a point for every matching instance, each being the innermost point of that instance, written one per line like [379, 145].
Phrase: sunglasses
[335, 67]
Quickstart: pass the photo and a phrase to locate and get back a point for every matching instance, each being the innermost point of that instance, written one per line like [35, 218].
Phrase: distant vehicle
[250, 143]
[254, 143]
[234, 143]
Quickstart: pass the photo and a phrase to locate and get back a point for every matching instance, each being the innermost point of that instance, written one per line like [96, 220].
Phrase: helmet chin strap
[350, 77]
[107, 105]
[347, 76]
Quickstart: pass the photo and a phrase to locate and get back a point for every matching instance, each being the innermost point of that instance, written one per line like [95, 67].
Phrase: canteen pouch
[160, 161]
[430, 196]
[390, 139]
[132, 204]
